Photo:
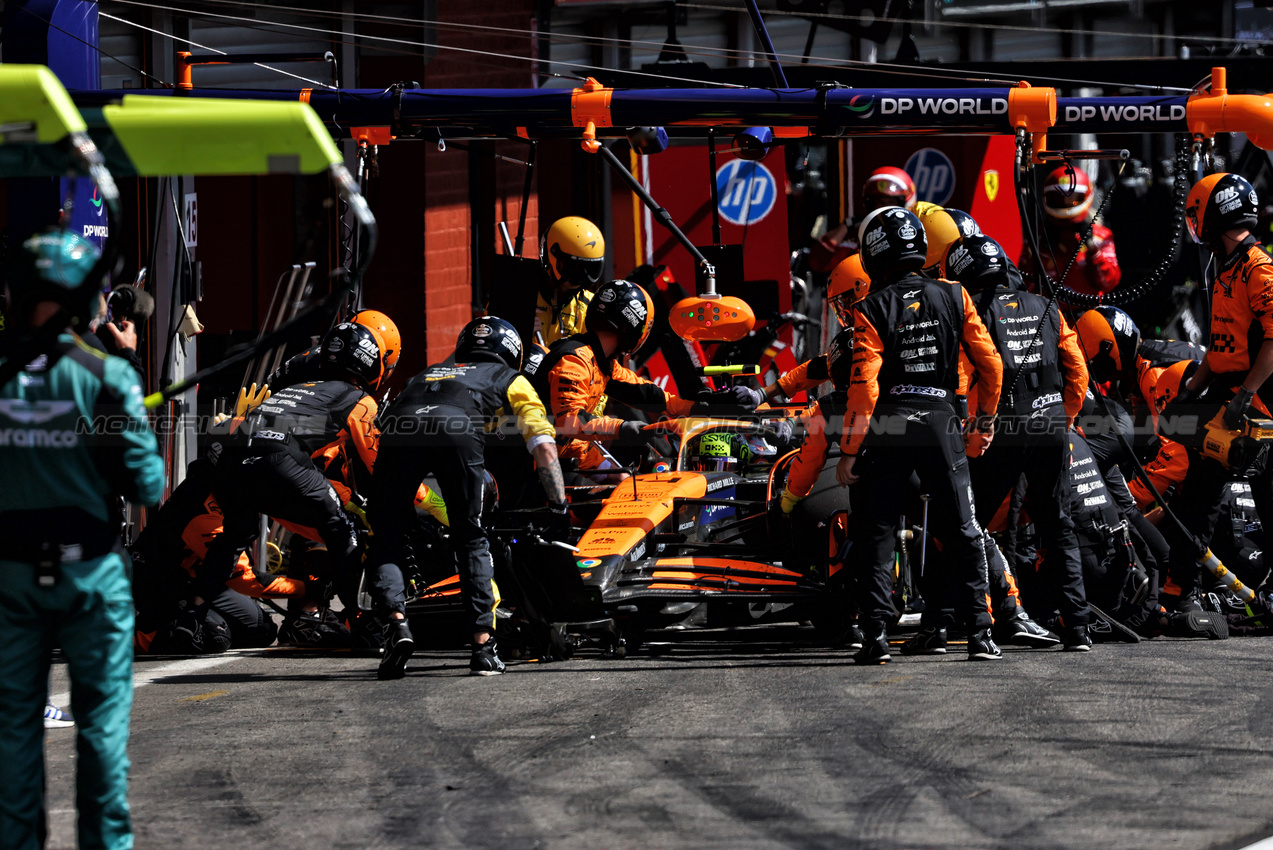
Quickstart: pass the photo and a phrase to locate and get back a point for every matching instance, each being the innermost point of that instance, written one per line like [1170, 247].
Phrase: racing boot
[930, 640]
[1020, 630]
[1106, 628]
[1206, 624]
[982, 647]
[873, 651]
[318, 629]
[485, 660]
[399, 645]
[1076, 639]
[366, 632]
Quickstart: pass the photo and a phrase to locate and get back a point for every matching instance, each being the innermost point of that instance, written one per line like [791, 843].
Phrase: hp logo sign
[746, 191]
[934, 175]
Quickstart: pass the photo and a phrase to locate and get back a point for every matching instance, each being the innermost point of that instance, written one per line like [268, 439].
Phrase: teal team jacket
[74, 434]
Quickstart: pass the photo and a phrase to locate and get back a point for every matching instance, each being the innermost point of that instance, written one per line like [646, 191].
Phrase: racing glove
[784, 435]
[558, 521]
[1236, 410]
[788, 501]
[250, 399]
[728, 400]
[632, 433]
[746, 397]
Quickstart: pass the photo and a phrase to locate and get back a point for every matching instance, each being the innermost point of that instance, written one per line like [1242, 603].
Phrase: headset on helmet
[976, 262]
[1218, 203]
[840, 358]
[942, 228]
[892, 244]
[52, 266]
[1067, 194]
[848, 284]
[1110, 340]
[489, 339]
[624, 308]
[355, 352]
[573, 252]
[717, 451]
[383, 325]
[888, 187]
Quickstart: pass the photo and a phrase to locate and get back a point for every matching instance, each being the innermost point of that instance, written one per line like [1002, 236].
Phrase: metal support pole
[762, 32]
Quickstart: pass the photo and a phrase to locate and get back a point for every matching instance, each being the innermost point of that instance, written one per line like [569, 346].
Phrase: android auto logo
[863, 106]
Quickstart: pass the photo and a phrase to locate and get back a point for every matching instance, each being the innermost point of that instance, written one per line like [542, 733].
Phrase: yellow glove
[250, 399]
[358, 512]
[431, 503]
[789, 501]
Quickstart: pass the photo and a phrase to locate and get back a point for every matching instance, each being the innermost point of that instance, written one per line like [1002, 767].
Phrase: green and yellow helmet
[717, 451]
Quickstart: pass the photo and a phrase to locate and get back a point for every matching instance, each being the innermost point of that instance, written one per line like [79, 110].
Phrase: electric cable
[1205, 556]
[213, 49]
[1126, 295]
[736, 53]
[95, 47]
[980, 26]
[376, 38]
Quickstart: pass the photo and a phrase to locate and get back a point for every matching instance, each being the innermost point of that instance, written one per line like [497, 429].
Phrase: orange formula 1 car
[692, 536]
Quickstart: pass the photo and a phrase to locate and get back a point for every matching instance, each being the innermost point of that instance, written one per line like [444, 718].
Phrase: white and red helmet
[888, 187]
[1067, 194]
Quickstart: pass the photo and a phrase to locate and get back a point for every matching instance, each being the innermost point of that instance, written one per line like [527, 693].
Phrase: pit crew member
[902, 383]
[438, 425]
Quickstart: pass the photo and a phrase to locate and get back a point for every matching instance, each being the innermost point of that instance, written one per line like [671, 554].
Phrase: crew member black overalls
[268, 470]
[905, 377]
[1044, 382]
[437, 426]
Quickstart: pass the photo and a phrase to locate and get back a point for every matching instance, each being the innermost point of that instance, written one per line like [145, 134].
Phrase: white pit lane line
[1263, 844]
[149, 673]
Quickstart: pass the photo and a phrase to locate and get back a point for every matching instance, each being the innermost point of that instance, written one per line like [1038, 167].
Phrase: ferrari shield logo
[992, 185]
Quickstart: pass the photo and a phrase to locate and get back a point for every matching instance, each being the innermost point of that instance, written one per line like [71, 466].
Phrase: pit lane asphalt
[752, 738]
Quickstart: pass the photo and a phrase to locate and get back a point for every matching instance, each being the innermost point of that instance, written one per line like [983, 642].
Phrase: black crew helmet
[893, 244]
[489, 339]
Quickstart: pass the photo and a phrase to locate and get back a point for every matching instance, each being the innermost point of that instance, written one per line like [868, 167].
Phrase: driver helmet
[718, 451]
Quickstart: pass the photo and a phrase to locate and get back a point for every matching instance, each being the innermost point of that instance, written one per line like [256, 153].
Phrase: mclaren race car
[695, 538]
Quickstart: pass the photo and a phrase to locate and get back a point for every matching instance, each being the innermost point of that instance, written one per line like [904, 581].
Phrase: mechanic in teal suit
[73, 437]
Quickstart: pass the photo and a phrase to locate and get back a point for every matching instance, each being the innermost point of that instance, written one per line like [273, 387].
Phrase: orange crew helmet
[1110, 340]
[848, 285]
[1218, 203]
[1067, 194]
[388, 331]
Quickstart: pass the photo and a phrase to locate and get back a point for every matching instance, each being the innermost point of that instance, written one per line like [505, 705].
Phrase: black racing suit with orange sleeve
[1044, 384]
[1241, 323]
[905, 376]
[438, 425]
[266, 468]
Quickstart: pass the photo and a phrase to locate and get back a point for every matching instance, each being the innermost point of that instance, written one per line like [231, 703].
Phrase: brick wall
[426, 275]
